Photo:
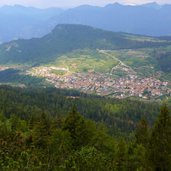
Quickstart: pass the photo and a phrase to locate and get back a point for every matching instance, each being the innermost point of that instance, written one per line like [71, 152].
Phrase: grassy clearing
[84, 61]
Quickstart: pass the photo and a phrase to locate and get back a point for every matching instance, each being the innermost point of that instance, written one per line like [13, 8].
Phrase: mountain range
[23, 22]
[149, 19]
[27, 22]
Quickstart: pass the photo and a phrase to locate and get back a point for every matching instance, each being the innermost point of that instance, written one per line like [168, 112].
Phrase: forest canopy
[33, 137]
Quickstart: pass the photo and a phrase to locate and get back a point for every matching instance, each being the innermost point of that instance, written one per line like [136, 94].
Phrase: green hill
[66, 38]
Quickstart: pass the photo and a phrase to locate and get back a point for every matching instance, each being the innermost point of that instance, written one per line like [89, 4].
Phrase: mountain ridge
[27, 22]
[68, 37]
[23, 22]
[140, 19]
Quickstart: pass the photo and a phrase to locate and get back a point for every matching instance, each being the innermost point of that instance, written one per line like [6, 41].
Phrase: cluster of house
[107, 85]
[3, 68]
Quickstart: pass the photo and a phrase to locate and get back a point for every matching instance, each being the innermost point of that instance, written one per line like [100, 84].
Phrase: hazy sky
[71, 3]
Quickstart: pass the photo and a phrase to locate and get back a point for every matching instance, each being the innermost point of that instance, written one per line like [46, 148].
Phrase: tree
[87, 159]
[121, 156]
[160, 142]
[42, 132]
[140, 158]
[76, 125]
[142, 133]
[59, 148]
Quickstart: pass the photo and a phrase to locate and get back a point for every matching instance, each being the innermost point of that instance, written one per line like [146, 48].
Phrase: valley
[85, 88]
[116, 65]
[103, 72]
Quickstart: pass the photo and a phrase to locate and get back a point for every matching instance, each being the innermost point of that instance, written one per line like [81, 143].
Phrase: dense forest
[120, 115]
[51, 130]
[15, 76]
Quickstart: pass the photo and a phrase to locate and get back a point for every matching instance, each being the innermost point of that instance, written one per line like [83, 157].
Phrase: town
[3, 68]
[105, 84]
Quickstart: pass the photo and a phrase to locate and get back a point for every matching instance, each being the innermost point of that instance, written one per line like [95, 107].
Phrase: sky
[73, 3]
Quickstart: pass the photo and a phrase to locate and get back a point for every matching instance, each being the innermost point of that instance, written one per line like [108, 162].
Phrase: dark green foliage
[122, 156]
[163, 59]
[160, 142]
[87, 159]
[42, 131]
[13, 76]
[77, 127]
[120, 116]
[32, 137]
[142, 133]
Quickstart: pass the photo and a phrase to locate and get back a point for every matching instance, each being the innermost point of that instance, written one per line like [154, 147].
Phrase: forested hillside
[120, 115]
[67, 38]
[65, 130]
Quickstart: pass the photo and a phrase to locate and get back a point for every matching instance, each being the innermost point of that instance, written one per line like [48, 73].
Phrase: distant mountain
[66, 38]
[23, 22]
[28, 22]
[148, 19]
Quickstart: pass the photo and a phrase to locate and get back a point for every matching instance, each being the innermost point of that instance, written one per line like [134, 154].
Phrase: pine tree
[160, 142]
[42, 131]
[75, 124]
[141, 148]
[142, 133]
[122, 156]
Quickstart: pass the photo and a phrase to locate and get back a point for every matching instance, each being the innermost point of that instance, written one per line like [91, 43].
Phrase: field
[145, 62]
[142, 61]
[86, 60]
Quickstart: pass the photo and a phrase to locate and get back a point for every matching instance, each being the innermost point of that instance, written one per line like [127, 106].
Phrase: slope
[66, 38]
[23, 22]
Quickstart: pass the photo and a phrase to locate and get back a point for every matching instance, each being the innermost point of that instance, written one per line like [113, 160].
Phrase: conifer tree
[142, 133]
[160, 142]
[122, 158]
[76, 125]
